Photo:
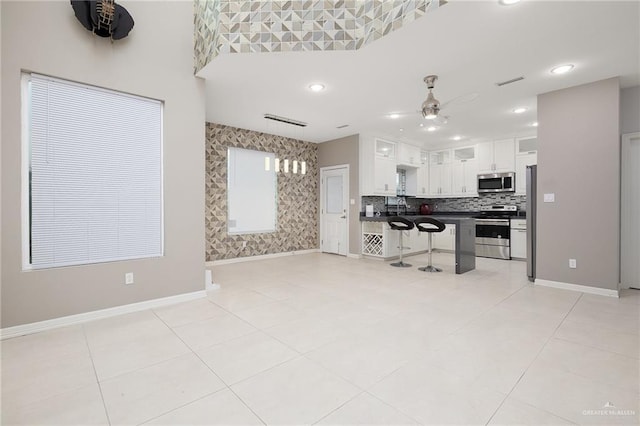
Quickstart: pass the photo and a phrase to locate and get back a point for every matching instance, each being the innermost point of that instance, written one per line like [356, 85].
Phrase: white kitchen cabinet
[526, 155]
[415, 181]
[440, 173]
[408, 155]
[377, 166]
[379, 240]
[384, 176]
[528, 145]
[518, 239]
[385, 148]
[465, 172]
[497, 156]
[446, 239]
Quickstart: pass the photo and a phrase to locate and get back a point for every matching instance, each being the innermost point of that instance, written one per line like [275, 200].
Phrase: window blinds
[95, 174]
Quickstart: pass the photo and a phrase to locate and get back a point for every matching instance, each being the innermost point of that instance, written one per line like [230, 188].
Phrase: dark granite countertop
[438, 216]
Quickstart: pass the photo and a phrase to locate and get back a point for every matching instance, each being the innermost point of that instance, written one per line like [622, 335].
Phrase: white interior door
[630, 212]
[334, 210]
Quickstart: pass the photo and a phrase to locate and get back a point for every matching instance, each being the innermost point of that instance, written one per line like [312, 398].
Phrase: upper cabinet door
[408, 155]
[385, 149]
[484, 154]
[496, 156]
[526, 146]
[504, 155]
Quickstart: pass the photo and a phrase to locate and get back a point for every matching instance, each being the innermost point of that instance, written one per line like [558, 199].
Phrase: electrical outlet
[572, 264]
[244, 244]
[128, 278]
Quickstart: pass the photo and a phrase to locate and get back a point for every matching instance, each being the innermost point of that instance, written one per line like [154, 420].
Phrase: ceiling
[470, 45]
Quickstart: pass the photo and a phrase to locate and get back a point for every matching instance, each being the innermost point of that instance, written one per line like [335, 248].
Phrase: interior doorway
[334, 210]
[630, 212]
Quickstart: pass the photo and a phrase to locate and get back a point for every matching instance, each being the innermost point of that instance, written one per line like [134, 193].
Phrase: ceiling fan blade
[460, 100]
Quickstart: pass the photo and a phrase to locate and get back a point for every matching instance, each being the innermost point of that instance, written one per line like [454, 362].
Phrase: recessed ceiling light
[421, 124]
[519, 110]
[534, 124]
[316, 87]
[457, 138]
[561, 69]
[394, 115]
[401, 129]
[508, 2]
[431, 129]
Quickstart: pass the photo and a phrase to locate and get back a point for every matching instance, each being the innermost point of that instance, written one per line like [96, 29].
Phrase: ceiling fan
[431, 106]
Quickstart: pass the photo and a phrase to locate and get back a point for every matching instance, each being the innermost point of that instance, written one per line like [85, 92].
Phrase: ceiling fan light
[429, 114]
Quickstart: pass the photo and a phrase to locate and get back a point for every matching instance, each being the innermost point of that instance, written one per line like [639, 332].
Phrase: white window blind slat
[96, 174]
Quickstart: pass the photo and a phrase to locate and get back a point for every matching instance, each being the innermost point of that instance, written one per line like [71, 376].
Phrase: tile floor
[322, 339]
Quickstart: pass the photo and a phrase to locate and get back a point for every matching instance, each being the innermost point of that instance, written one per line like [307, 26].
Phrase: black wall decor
[103, 17]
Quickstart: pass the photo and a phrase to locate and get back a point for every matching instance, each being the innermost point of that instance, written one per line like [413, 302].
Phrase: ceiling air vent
[343, 126]
[285, 120]
[513, 80]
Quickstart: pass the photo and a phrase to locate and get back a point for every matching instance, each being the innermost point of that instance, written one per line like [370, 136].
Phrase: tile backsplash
[466, 204]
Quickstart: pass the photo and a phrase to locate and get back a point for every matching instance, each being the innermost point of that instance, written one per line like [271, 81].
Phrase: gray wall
[579, 161]
[630, 110]
[153, 61]
[346, 151]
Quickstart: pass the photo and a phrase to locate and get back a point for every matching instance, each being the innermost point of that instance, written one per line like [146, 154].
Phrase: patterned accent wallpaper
[297, 195]
[252, 26]
[466, 204]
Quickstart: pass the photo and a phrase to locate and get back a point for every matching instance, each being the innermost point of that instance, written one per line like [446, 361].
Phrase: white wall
[156, 61]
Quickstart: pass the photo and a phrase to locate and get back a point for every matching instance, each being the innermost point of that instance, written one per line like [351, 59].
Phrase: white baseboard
[35, 327]
[260, 257]
[354, 256]
[577, 287]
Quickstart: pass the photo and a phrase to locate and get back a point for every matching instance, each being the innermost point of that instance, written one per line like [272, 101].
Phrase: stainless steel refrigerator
[532, 189]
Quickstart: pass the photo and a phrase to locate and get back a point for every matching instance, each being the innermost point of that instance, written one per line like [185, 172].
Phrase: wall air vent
[513, 80]
[343, 126]
[285, 120]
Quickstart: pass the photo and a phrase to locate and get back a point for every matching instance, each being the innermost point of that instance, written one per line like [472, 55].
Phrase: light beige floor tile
[202, 334]
[147, 393]
[220, 408]
[495, 364]
[238, 300]
[515, 413]
[25, 381]
[271, 314]
[245, 356]
[82, 406]
[123, 328]
[115, 359]
[188, 312]
[307, 334]
[360, 360]
[601, 337]
[433, 396]
[48, 344]
[543, 300]
[285, 291]
[366, 410]
[600, 366]
[574, 397]
[297, 392]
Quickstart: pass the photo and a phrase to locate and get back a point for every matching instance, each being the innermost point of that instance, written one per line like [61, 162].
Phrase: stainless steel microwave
[496, 182]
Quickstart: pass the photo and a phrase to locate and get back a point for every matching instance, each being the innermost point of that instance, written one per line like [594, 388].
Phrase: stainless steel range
[493, 231]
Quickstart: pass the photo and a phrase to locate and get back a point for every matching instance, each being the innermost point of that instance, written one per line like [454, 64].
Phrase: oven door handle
[498, 222]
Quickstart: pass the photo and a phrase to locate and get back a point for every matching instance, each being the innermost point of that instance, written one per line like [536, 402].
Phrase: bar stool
[432, 225]
[401, 224]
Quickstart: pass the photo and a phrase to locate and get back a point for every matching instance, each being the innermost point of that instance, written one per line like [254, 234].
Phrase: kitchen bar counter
[465, 245]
